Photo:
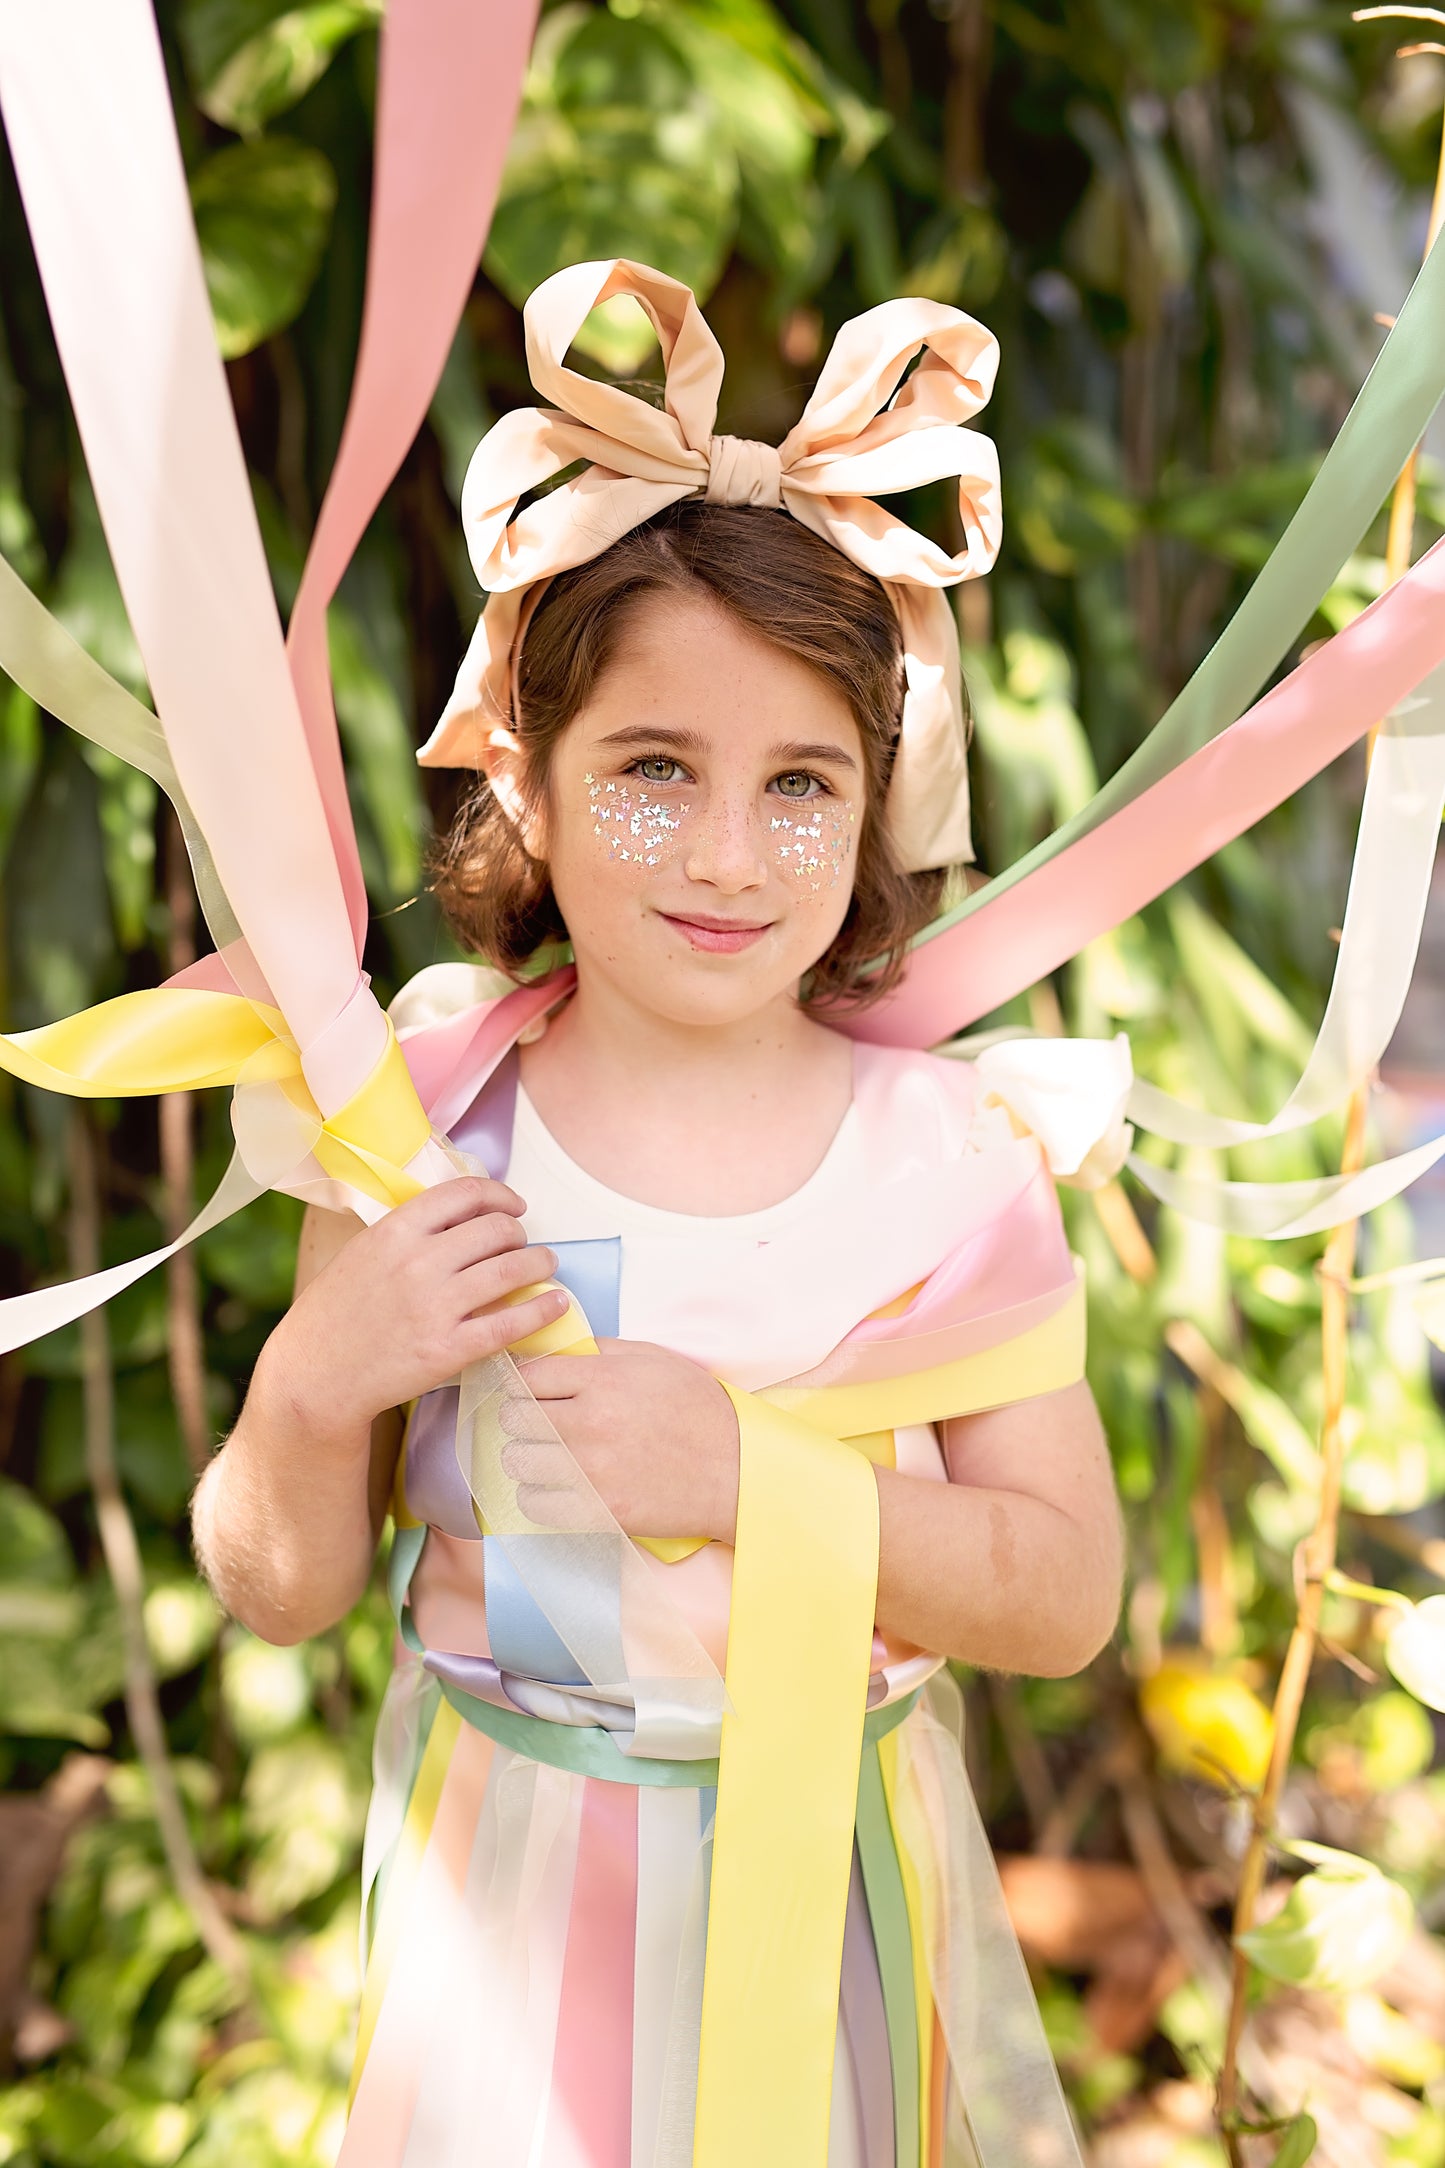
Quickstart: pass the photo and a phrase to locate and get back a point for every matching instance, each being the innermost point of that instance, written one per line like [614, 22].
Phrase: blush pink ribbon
[860, 436]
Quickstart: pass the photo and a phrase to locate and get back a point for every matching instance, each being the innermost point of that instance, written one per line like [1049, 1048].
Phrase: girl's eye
[658, 768]
[797, 784]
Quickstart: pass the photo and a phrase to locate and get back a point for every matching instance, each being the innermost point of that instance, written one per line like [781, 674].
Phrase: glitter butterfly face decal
[636, 828]
[815, 848]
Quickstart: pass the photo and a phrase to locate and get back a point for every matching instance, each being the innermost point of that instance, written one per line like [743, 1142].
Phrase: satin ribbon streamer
[1385, 423]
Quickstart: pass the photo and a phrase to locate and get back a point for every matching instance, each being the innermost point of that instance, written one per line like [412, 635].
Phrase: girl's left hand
[655, 1434]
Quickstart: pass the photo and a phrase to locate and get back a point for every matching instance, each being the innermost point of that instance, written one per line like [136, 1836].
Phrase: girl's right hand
[405, 1305]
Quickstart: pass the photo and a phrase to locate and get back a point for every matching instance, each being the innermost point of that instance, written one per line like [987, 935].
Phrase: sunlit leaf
[1415, 1651]
[263, 211]
[1387, 2041]
[607, 97]
[182, 1620]
[304, 1809]
[1205, 1722]
[1339, 1928]
[267, 1690]
[251, 59]
[1297, 2144]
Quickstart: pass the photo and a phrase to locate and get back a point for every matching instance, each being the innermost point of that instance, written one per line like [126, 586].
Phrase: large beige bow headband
[855, 440]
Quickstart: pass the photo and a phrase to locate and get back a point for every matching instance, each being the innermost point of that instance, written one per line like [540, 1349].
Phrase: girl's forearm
[285, 1517]
[999, 1578]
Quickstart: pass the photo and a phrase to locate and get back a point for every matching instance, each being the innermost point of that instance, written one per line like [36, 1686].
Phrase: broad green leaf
[34, 1548]
[263, 212]
[772, 130]
[251, 59]
[1297, 2144]
[267, 1691]
[182, 1620]
[53, 1684]
[128, 831]
[303, 1808]
[253, 1256]
[607, 98]
[1339, 1928]
[1415, 1651]
[61, 941]
[381, 760]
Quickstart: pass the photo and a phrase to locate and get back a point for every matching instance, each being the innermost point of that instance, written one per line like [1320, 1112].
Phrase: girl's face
[703, 819]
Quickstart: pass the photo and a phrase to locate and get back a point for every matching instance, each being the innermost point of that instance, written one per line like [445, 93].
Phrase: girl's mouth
[717, 936]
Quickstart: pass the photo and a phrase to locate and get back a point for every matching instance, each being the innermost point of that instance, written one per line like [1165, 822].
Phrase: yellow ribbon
[800, 1641]
[187, 1038]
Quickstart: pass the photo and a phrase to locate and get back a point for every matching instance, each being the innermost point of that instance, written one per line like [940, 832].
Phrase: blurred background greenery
[1181, 220]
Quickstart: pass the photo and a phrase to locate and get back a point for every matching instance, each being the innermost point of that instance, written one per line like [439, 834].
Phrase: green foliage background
[1125, 193]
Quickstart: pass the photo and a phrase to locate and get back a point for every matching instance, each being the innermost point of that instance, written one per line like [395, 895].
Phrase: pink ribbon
[91, 129]
[1323, 707]
[450, 80]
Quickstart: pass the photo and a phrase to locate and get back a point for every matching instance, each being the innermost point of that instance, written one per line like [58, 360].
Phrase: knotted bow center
[742, 471]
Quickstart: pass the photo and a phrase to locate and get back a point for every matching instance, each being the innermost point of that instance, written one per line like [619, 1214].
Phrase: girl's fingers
[470, 1241]
[558, 1377]
[494, 1278]
[488, 1332]
[541, 1462]
[468, 1197]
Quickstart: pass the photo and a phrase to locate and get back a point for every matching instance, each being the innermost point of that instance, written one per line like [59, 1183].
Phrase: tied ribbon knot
[740, 470]
[871, 429]
[188, 1038]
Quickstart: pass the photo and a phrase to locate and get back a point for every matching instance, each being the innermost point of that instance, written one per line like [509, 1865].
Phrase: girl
[690, 733]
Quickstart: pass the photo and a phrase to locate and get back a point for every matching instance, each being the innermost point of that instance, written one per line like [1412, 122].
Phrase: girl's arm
[287, 1516]
[1017, 1562]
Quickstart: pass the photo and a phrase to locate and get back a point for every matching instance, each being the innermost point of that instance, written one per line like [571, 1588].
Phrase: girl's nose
[726, 849]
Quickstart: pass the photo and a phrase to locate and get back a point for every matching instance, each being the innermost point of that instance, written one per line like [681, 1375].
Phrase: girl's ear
[504, 765]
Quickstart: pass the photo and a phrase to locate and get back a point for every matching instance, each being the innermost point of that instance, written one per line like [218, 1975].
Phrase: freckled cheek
[631, 828]
[814, 846]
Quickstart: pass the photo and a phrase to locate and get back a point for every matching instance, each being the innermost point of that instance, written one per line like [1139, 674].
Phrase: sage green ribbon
[1381, 430]
[893, 1942]
[41, 657]
[587, 1750]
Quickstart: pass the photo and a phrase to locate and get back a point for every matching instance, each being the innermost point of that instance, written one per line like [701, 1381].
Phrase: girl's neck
[715, 1119]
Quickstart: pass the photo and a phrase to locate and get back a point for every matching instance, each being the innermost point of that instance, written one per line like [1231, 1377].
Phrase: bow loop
[869, 430]
[691, 357]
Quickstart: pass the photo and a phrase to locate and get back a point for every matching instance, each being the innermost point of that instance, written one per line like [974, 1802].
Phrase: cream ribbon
[859, 436]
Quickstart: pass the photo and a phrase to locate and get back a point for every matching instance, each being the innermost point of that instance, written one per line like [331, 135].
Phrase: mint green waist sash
[589, 1751]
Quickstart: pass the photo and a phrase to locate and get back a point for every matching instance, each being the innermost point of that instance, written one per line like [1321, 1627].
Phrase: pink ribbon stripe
[1315, 714]
[450, 82]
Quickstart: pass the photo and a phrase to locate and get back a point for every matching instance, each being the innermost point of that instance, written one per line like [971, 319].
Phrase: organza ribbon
[1384, 918]
[859, 437]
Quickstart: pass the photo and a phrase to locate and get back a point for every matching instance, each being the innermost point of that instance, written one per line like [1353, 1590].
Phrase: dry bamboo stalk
[185, 1342]
[127, 1574]
[1318, 1551]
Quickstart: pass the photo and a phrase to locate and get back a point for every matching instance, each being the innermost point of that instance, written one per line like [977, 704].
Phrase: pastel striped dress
[537, 1903]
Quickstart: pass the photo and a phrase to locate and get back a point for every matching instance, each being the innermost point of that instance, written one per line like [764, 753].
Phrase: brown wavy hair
[790, 587]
